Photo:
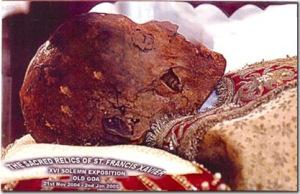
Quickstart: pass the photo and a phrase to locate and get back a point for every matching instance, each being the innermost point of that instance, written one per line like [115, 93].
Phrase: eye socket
[116, 126]
[172, 81]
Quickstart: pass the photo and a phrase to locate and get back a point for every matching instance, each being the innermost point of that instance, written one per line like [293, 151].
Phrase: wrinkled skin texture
[102, 79]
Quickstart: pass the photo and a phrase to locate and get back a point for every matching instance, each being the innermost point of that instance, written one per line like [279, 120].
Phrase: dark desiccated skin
[102, 79]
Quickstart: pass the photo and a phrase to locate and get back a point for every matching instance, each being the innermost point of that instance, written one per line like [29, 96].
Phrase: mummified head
[102, 79]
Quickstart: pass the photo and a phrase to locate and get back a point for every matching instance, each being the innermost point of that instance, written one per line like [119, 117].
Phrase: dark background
[24, 33]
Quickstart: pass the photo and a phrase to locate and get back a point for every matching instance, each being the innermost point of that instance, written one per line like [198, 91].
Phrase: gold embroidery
[187, 185]
[230, 107]
[10, 186]
[149, 184]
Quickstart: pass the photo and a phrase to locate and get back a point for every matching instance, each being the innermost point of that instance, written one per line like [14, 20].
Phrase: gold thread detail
[187, 185]
[10, 186]
[149, 184]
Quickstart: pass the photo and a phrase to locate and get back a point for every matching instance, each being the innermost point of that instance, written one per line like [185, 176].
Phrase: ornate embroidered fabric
[240, 93]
